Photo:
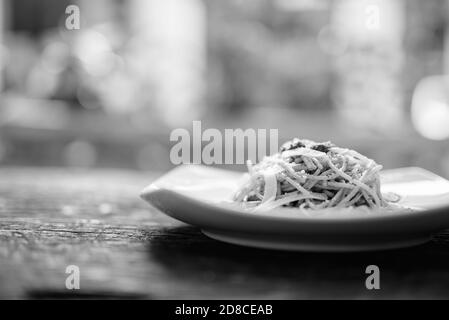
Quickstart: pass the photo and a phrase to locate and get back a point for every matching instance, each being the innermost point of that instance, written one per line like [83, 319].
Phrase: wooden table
[94, 219]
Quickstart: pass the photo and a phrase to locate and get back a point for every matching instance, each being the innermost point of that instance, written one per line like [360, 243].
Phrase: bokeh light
[55, 57]
[430, 108]
[94, 51]
[41, 83]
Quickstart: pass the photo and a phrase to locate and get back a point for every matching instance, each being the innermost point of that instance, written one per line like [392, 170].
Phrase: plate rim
[430, 219]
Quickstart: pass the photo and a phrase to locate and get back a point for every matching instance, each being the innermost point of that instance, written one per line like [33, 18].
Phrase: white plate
[200, 196]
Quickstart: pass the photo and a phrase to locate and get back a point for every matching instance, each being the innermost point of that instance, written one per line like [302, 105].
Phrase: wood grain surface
[52, 218]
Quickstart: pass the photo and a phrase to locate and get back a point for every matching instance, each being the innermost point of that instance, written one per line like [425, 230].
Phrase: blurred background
[366, 74]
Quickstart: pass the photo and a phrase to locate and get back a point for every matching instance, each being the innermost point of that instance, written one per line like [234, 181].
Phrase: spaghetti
[310, 175]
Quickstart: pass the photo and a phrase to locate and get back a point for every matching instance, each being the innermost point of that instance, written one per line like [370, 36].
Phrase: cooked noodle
[310, 175]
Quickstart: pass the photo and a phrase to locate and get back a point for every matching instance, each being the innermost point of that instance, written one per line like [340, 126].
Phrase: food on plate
[311, 175]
